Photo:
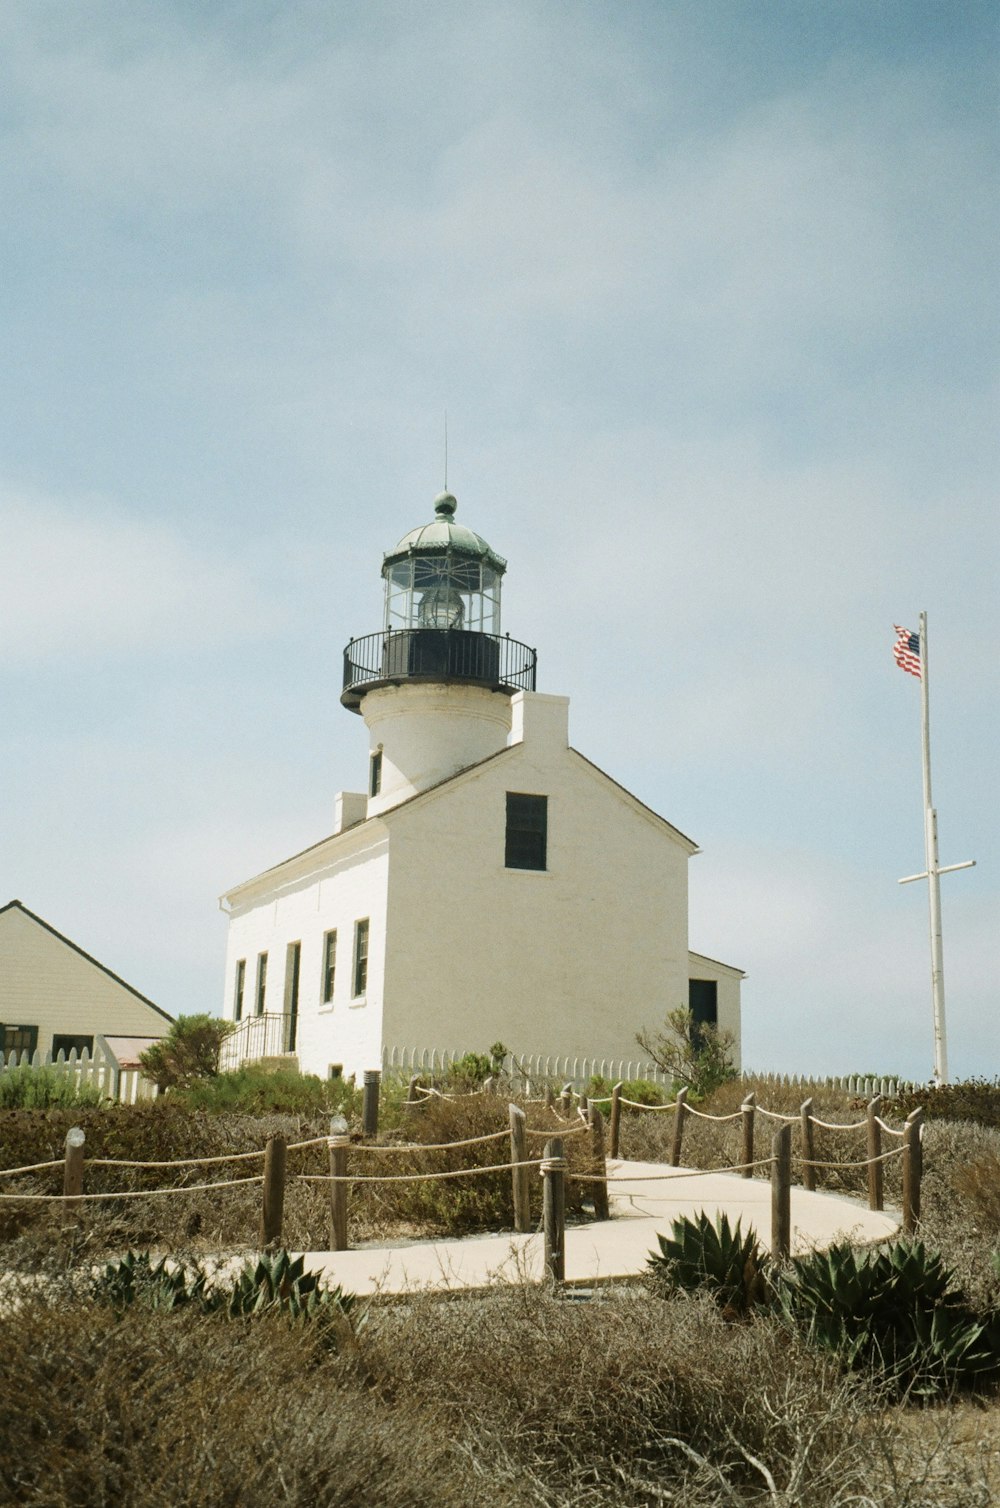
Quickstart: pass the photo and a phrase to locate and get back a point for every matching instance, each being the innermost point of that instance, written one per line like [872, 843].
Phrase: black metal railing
[269, 1035]
[436, 654]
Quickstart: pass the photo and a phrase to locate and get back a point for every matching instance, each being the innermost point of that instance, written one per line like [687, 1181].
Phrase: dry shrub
[518, 1398]
[636, 1400]
[647, 1135]
[166, 1410]
[960, 1203]
[207, 1220]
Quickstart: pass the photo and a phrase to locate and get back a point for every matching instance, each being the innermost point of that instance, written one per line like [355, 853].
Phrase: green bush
[642, 1091]
[28, 1088]
[190, 1050]
[976, 1100]
[254, 1090]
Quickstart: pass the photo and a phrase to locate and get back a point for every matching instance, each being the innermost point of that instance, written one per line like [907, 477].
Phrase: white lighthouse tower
[434, 685]
[490, 884]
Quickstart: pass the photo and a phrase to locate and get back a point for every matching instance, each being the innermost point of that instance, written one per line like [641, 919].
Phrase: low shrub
[975, 1100]
[28, 1088]
[255, 1090]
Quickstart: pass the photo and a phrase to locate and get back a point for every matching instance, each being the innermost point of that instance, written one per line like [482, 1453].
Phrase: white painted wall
[332, 886]
[46, 982]
[463, 951]
[427, 732]
[574, 959]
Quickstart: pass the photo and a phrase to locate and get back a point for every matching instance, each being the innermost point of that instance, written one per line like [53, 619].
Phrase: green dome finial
[445, 505]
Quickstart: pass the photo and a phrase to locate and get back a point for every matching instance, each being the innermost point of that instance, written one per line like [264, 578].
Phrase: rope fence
[552, 1165]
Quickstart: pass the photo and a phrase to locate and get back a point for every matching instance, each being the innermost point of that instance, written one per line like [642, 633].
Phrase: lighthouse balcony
[435, 654]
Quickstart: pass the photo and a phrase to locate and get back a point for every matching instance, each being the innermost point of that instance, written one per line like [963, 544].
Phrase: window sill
[326, 1009]
[539, 873]
[359, 1001]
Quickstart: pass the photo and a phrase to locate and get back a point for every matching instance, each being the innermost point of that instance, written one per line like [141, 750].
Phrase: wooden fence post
[554, 1209]
[566, 1099]
[338, 1146]
[679, 1114]
[520, 1176]
[781, 1194]
[550, 1096]
[913, 1157]
[808, 1145]
[875, 1201]
[616, 1120]
[748, 1111]
[412, 1097]
[584, 1104]
[273, 1207]
[369, 1102]
[596, 1120]
[73, 1170]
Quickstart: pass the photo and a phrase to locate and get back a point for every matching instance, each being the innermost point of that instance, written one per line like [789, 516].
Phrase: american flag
[906, 651]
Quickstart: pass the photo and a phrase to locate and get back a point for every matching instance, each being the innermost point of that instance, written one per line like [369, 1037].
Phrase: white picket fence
[102, 1071]
[526, 1070]
[854, 1084]
[529, 1070]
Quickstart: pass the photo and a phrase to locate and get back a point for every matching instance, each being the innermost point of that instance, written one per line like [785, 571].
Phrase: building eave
[640, 806]
[727, 968]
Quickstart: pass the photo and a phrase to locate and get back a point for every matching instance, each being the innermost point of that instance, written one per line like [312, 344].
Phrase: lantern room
[443, 576]
[441, 617]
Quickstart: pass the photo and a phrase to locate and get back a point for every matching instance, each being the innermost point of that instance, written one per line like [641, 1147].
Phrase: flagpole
[933, 872]
[914, 659]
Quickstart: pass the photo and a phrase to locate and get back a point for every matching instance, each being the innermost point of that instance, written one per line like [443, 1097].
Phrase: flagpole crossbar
[942, 869]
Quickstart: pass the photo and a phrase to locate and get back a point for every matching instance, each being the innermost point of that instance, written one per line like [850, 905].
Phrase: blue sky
[709, 292]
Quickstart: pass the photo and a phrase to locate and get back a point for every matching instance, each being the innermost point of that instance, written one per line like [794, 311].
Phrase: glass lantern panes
[442, 591]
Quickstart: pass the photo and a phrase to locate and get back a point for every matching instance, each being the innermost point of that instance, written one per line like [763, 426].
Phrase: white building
[492, 884]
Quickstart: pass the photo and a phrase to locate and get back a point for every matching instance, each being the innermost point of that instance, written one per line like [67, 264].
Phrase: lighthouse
[489, 882]
[434, 683]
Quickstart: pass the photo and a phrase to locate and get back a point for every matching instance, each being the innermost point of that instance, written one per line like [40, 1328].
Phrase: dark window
[335, 1071]
[293, 959]
[241, 976]
[19, 1039]
[360, 957]
[65, 1042]
[527, 831]
[329, 965]
[375, 773]
[703, 1003]
[261, 984]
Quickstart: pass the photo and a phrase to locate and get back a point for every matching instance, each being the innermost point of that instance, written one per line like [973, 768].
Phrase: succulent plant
[894, 1312]
[702, 1253]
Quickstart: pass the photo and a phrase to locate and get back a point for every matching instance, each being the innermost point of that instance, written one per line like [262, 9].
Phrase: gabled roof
[449, 780]
[41, 922]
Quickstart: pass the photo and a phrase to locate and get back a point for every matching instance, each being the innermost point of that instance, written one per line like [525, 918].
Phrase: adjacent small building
[489, 884]
[56, 998]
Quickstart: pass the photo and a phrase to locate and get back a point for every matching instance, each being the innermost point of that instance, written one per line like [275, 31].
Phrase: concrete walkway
[614, 1248]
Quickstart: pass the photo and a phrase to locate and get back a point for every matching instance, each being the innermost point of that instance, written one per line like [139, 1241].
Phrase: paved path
[613, 1248]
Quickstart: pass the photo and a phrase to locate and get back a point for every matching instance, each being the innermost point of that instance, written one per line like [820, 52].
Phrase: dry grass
[519, 1399]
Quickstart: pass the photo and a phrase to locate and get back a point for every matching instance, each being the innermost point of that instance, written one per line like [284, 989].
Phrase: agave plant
[702, 1253]
[894, 1312]
[272, 1283]
[136, 1276]
[278, 1282]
